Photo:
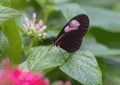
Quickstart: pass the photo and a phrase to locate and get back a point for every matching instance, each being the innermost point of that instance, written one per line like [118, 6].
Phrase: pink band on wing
[73, 25]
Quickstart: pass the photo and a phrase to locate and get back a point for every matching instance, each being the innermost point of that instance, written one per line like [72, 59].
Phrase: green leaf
[109, 39]
[117, 6]
[15, 45]
[100, 3]
[98, 49]
[110, 65]
[45, 2]
[43, 57]
[60, 1]
[108, 52]
[90, 43]
[69, 10]
[111, 80]
[105, 19]
[83, 67]
[3, 44]
[42, 3]
[5, 3]
[7, 13]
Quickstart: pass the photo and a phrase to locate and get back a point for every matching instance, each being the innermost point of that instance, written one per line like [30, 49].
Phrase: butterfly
[70, 37]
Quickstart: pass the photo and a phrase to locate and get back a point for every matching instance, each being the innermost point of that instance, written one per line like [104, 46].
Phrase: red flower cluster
[15, 76]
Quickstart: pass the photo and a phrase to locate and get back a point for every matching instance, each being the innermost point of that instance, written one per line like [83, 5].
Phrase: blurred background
[102, 38]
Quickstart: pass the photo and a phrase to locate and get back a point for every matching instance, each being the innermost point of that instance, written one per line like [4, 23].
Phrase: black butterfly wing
[71, 41]
[82, 19]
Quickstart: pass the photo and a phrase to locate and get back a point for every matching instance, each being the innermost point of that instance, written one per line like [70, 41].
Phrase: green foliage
[69, 10]
[7, 13]
[82, 66]
[104, 18]
[3, 44]
[101, 3]
[102, 41]
[15, 45]
[43, 57]
[110, 63]
[5, 2]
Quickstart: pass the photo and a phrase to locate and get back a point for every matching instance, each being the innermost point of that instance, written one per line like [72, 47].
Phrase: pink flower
[33, 28]
[15, 76]
[40, 23]
[67, 83]
[34, 15]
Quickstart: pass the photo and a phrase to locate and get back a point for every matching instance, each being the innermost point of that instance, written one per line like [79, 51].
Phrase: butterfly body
[70, 37]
